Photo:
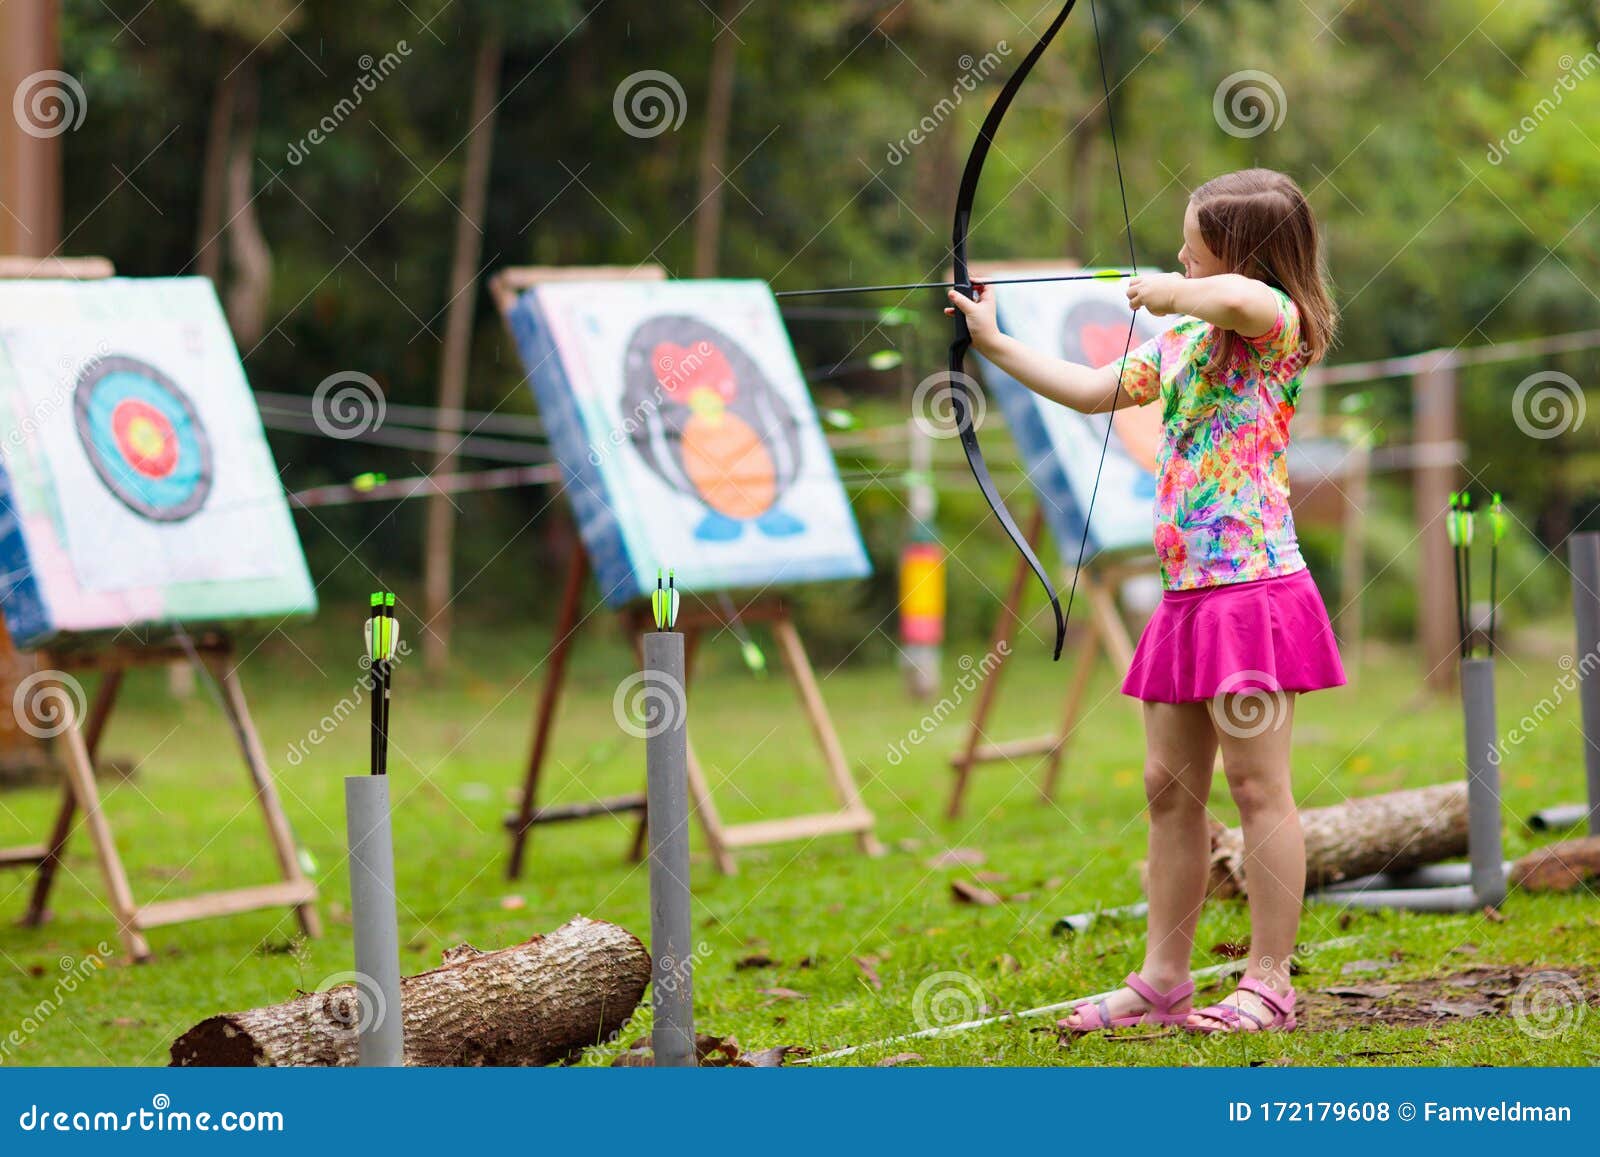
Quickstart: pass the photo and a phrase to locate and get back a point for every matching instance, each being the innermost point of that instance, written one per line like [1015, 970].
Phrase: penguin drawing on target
[705, 419]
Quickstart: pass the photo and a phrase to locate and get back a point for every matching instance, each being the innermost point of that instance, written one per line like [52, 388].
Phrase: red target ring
[146, 438]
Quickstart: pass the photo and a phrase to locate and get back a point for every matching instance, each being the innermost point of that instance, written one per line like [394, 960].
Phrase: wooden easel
[852, 816]
[1106, 633]
[81, 738]
[81, 795]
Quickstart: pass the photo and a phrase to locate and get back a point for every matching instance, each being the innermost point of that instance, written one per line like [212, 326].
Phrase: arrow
[1097, 275]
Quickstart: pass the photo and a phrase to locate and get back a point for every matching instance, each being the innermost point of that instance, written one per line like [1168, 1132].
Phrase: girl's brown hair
[1259, 224]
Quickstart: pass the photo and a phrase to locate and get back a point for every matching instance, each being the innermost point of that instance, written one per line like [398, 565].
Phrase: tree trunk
[1378, 833]
[533, 1004]
[214, 173]
[250, 288]
[1560, 867]
[456, 355]
[714, 145]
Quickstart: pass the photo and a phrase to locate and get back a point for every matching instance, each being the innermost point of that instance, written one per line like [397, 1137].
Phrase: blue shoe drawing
[776, 524]
[718, 528]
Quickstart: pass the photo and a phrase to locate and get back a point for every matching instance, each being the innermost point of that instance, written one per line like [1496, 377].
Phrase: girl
[1241, 628]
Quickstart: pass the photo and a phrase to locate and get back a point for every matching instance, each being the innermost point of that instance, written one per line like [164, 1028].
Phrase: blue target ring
[143, 438]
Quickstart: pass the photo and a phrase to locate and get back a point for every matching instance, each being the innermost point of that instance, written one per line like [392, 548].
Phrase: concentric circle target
[144, 438]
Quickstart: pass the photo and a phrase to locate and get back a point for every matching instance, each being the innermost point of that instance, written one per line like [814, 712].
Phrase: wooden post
[1433, 407]
[30, 161]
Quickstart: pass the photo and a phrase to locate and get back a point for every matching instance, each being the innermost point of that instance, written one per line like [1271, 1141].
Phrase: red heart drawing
[1102, 344]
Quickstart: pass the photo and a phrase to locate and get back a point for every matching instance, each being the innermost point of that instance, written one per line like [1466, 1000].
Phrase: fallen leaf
[772, 1058]
[969, 893]
[899, 1059]
[1356, 966]
[989, 876]
[1005, 962]
[781, 993]
[1463, 1008]
[758, 960]
[1467, 949]
[512, 903]
[867, 966]
[1494, 915]
[957, 857]
[1370, 991]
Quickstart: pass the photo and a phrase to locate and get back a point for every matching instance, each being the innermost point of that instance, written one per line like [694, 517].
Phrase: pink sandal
[1280, 1005]
[1160, 1010]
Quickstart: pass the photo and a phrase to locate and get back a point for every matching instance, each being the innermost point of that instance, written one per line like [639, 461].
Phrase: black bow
[959, 383]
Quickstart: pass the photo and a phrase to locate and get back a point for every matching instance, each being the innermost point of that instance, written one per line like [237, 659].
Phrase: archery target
[137, 489]
[143, 438]
[687, 434]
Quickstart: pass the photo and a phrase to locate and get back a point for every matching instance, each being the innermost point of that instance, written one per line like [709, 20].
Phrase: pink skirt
[1270, 635]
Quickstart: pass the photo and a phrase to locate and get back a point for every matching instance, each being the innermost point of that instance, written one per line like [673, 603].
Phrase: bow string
[959, 384]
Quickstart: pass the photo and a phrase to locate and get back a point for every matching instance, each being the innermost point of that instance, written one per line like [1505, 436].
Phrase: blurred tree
[493, 23]
[244, 29]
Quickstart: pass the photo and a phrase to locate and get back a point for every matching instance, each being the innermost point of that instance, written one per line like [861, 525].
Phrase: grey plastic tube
[372, 912]
[667, 788]
[1584, 558]
[1483, 781]
[1559, 818]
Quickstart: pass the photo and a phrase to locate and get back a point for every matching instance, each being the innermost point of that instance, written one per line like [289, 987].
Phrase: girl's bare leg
[1255, 756]
[1181, 747]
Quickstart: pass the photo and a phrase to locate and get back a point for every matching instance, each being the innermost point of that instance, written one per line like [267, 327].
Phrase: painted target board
[137, 490]
[1084, 322]
[686, 435]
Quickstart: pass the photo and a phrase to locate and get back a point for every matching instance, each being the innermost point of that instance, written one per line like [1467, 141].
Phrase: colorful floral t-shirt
[1222, 497]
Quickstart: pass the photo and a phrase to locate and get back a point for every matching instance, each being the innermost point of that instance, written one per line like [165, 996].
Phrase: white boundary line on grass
[1230, 967]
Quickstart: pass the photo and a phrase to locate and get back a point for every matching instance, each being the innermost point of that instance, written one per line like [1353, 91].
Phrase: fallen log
[531, 1004]
[1559, 867]
[1393, 832]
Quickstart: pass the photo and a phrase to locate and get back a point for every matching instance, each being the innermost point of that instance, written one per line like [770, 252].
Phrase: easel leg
[255, 758]
[80, 774]
[549, 696]
[805, 679]
[1084, 657]
[105, 698]
[1000, 648]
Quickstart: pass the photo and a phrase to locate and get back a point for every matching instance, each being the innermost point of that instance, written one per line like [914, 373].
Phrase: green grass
[186, 824]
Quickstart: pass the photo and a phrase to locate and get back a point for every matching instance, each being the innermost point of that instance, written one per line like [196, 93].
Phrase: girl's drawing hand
[1155, 293]
[980, 314]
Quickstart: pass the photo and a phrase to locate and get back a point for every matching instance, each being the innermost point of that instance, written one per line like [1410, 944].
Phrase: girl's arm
[1078, 387]
[1227, 301]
